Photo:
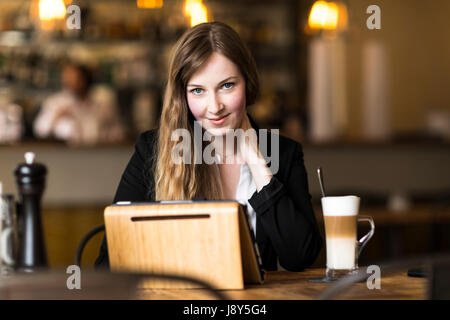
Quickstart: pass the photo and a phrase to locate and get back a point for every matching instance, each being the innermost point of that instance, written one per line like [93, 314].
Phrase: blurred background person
[80, 113]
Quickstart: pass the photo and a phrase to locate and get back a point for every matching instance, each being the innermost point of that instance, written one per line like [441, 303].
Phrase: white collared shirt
[246, 188]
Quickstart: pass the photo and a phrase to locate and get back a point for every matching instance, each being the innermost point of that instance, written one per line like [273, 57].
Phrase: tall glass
[343, 248]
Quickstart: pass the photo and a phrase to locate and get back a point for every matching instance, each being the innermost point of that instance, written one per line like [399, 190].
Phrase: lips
[220, 120]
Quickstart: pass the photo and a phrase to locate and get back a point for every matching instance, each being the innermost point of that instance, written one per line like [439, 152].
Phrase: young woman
[212, 79]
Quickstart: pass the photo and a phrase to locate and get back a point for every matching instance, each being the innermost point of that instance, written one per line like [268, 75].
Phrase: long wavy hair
[185, 181]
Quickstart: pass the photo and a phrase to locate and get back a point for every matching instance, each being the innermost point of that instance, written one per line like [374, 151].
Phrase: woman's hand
[247, 143]
[248, 153]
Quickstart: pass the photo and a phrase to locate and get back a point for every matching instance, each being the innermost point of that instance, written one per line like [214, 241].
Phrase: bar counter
[86, 176]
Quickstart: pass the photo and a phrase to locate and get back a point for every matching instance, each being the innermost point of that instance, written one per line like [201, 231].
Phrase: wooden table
[283, 285]
[279, 285]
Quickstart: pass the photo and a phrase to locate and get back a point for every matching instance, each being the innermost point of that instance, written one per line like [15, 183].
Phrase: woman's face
[216, 95]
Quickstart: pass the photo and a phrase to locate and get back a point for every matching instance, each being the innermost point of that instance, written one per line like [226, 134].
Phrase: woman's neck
[226, 149]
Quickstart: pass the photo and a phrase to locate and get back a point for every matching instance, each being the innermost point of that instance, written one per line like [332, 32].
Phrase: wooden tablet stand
[207, 240]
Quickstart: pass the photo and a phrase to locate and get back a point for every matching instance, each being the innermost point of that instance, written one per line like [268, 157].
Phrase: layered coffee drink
[340, 216]
[340, 241]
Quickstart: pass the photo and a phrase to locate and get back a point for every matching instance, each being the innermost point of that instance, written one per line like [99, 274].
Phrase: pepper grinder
[30, 179]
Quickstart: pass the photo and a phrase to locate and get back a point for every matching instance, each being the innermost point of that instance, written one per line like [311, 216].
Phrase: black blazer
[285, 223]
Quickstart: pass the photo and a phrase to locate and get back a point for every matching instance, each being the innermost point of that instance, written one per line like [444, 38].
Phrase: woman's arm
[284, 210]
[287, 217]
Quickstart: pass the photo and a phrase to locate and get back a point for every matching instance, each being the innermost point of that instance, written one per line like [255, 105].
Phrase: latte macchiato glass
[343, 249]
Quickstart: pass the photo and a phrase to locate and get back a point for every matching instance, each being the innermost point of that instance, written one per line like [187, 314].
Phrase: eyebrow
[221, 82]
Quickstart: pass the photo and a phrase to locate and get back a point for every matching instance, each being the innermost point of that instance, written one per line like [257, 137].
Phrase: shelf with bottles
[128, 47]
[119, 64]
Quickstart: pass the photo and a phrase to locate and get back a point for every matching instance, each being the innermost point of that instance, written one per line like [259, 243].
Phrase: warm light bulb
[188, 6]
[149, 4]
[51, 10]
[196, 11]
[198, 15]
[324, 15]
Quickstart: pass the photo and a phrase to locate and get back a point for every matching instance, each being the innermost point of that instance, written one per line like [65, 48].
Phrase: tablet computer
[207, 240]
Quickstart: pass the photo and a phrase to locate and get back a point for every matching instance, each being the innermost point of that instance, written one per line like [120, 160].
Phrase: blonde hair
[185, 181]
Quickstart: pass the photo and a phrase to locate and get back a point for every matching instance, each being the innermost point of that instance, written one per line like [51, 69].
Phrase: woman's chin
[218, 131]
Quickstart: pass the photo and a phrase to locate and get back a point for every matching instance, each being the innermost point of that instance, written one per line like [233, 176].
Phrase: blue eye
[228, 85]
[197, 91]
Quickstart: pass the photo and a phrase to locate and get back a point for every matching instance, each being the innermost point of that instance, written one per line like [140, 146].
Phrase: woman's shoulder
[282, 153]
[286, 145]
[291, 151]
[149, 136]
[147, 142]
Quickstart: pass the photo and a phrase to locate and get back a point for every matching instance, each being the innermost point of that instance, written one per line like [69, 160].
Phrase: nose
[215, 106]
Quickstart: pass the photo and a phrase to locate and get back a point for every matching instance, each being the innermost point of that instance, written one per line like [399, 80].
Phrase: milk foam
[340, 253]
[340, 206]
